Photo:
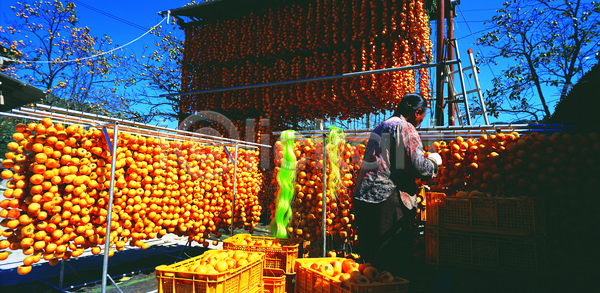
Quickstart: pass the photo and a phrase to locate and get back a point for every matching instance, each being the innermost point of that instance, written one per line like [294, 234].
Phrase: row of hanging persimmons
[58, 181]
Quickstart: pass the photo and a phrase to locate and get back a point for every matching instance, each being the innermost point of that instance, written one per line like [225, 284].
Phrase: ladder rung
[472, 114]
[451, 96]
[455, 101]
[466, 68]
[450, 62]
[468, 92]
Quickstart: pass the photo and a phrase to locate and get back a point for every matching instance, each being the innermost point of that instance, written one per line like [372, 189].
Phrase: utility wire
[97, 55]
[481, 9]
[127, 22]
[471, 35]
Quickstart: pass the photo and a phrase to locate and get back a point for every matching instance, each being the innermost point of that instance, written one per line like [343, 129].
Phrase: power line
[127, 22]
[481, 21]
[481, 9]
[97, 55]
[477, 32]
[473, 36]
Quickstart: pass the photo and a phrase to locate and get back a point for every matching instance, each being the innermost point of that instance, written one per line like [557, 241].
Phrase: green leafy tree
[59, 56]
[551, 44]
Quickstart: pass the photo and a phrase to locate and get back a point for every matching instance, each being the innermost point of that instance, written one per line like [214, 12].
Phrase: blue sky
[121, 20]
[124, 21]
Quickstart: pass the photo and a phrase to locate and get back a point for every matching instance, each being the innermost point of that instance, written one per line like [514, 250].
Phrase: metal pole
[439, 98]
[343, 75]
[113, 281]
[110, 202]
[62, 273]
[450, 54]
[234, 187]
[324, 191]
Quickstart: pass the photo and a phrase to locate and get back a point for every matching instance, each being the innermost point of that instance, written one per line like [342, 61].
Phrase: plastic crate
[276, 257]
[511, 216]
[312, 281]
[492, 252]
[274, 281]
[247, 279]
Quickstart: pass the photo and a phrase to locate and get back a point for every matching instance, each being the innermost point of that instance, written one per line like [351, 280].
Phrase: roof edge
[178, 11]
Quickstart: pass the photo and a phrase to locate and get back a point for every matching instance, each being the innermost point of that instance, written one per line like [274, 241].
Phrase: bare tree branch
[550, 44]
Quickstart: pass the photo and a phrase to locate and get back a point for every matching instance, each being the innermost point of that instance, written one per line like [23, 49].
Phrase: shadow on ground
[132, 269]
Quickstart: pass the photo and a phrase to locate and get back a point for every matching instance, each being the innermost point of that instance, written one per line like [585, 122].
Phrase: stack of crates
[279, 270]
[488, 233]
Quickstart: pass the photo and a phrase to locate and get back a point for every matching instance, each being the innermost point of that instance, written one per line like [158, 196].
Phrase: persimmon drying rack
[428, 135]
[87, 120]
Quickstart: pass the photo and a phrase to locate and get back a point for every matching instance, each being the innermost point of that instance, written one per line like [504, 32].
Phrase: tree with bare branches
[56, 54]
[550, 43]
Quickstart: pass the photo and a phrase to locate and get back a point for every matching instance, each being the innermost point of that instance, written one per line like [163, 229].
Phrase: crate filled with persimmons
[279, 253]
[215, 271]
[341, 275]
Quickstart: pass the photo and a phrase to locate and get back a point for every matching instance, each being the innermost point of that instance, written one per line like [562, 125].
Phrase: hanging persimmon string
[326, 37]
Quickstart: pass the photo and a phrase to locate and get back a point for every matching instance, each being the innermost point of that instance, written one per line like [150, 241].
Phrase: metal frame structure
[330, 77]
[83, 118]
[99, 121]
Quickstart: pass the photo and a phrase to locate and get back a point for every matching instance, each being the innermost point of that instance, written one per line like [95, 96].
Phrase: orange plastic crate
[274, 281]
[510, 216]
[276, 257]
[490, 252]
[311, 281]
[247, 279]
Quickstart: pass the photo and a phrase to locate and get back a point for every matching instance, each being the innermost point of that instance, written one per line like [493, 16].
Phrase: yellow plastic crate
[247, 279]
[274, 281]
[276, 257]
[311, 281]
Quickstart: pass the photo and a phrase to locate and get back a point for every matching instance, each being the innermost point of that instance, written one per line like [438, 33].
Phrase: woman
[385, 196]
